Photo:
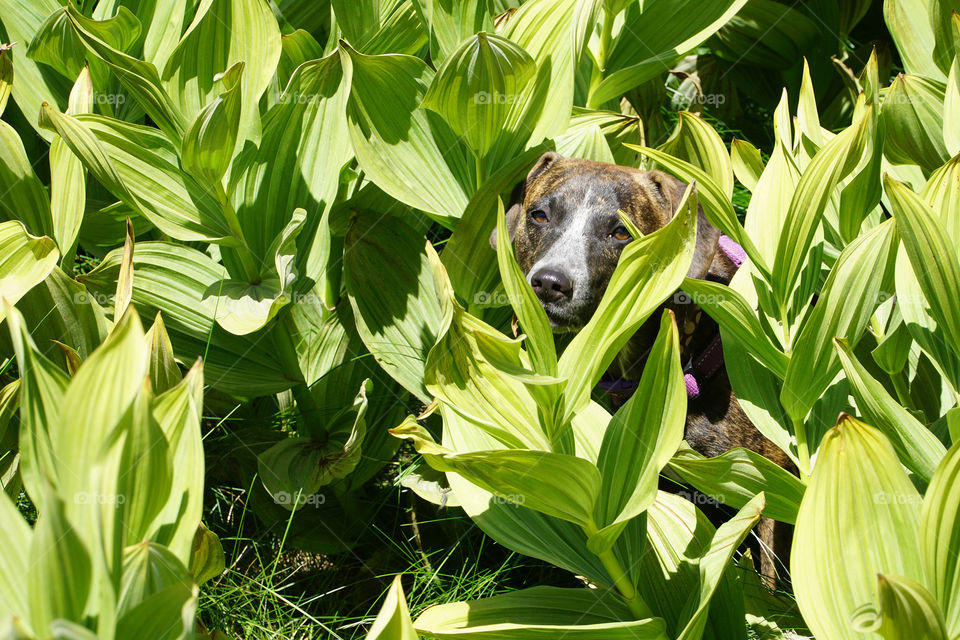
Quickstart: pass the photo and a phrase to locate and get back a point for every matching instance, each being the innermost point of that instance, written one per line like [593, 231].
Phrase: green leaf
[917, 447]
[831, 164]
[141, 168]
[732, 312]
[858, 499]
[68, 179]
[540, 612]
[6, 76]
[940, 538]
[527, 307]
[911, 26]
[913, 113]
[408, 154]
[555, 484]
[641, 438]
[15, 538]
[139, 78]
[223, 33]
[208, 143]
[736, 476]
[450, 23]
[932, 255]
[60, 578]
[668, 29]
[476, 87]
[158, 598]
[951, 109]
[765, 34]
[746, 163]
[391, 288]
[207, 561]
[173, 278]
[849, 296]
[393, 622]
[650, 269]
[904, 610]
[24, 197]
[25, 263]
[698, 143]
[164, 372]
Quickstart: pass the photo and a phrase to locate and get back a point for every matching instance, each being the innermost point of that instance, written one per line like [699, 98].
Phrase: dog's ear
[707, 235]
[516, 197]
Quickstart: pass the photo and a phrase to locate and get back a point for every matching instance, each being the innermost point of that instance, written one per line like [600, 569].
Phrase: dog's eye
[539, 216]
[621, 233]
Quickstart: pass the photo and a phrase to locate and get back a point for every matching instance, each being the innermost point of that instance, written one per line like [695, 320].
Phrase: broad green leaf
[158, 598]
[305, 145]
[932, 254]
[555, 484]
[68, 179]
[164, 372]
[733, 313]
[530, 314]
[207, 561]
[15, 538]
[25, 263]
[139, 78]
[641, 438]
[391, 288]
[585, 142]
[734, 477]
[450, 23]
[715, 562]
[746, 163]
[35, 83]
[140, 166]
[295, 468]
[716, 204]
[173, 278]
[650, 269]
[767, 34]
[698, 143]
[223, 33]
[6, 76]
[913, 113]
[178, 412]
[540, 612]
[951, 110]
[832, 163]
[400, 30]
[849, 296]
[209, 141]
[859, 505]
[945, 18]
[918, 449]
[409, 154]
[904, 610]
[770, 202]
[24, 197]
[60, 579]
[393, 622]
[668, 30]
[911, 26]
[476, 87]
[940, 538]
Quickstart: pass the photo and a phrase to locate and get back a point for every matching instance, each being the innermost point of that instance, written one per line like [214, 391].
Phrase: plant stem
[287, 353]
[596, 77]
[803, 452]
[900, 386]
[243, 249]
[621, 580]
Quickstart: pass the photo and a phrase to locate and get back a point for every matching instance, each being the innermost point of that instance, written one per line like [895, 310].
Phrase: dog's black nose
[551, 285]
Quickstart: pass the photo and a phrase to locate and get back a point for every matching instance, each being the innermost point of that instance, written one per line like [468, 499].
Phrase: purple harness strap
[705, 364]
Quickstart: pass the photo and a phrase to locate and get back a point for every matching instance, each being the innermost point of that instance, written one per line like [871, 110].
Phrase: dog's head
[568, 237]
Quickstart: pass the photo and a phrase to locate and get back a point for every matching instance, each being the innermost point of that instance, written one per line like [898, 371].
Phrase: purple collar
[705, 364]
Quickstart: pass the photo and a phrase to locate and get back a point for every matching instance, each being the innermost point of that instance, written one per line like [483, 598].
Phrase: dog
[567, 238]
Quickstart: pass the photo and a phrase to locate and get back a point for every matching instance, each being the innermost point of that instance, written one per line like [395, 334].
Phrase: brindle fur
[562, 187]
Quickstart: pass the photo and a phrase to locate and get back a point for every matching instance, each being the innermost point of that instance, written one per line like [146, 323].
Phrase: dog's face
[568, 237]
